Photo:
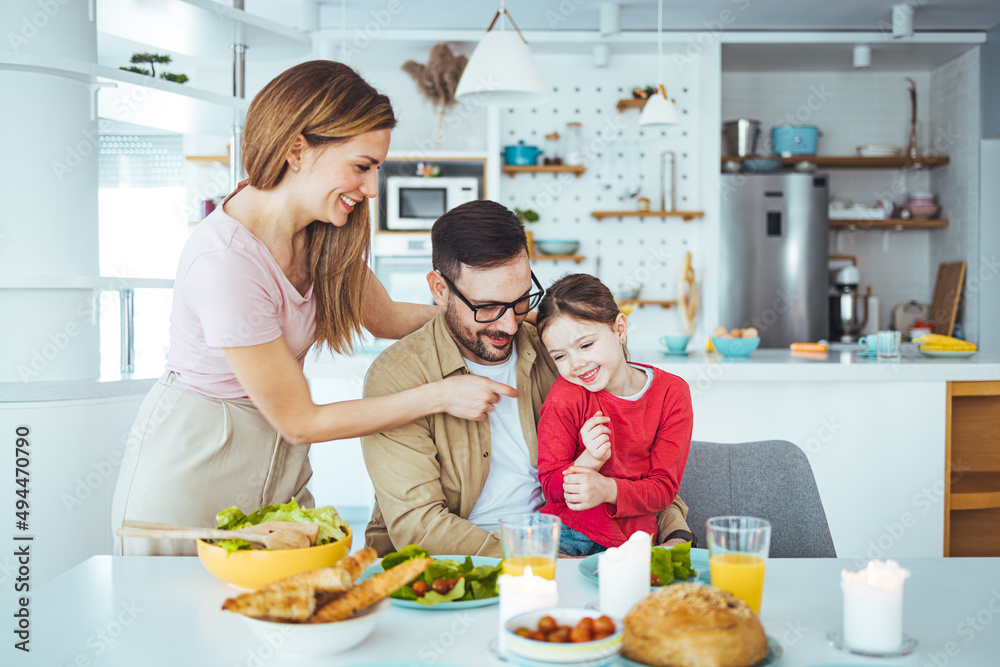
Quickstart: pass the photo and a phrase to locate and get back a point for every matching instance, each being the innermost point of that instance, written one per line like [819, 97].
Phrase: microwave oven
[414, 202]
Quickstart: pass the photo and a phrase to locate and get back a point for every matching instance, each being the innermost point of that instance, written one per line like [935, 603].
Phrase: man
[444, 482]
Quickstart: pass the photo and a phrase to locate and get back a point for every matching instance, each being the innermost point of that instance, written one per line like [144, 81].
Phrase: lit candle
[522, 594]
[873, 606]
[623, 573]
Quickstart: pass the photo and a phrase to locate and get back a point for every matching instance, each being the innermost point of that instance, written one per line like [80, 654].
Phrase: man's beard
[476, 342]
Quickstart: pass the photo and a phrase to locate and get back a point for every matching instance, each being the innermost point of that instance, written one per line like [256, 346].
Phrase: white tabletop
[166, 611]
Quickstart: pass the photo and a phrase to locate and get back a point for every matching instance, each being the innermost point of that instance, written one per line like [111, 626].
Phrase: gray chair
[770, 479]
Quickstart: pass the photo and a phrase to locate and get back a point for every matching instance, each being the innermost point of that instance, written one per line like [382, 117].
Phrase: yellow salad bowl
[258, 567]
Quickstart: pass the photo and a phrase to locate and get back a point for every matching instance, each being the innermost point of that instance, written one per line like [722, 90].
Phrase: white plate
[948, 354]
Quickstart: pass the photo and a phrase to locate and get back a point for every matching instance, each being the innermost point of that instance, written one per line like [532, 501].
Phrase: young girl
[613, 436]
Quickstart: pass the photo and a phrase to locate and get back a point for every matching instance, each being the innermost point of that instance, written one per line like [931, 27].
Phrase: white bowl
[557, 247]
[531, 652]
[879, 150]
[318, 639]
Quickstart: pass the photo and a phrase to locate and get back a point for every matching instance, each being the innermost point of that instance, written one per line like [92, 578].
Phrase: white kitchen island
[874, 432]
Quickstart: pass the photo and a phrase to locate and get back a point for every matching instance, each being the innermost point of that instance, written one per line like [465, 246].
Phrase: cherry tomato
[587, 623]
[440, 586]
[654, 580]
[523, 632]
[604, 625]
[580, 634]
[547, 624]
[559, 636]
[601, 635]
[538, 636]
[451, 583]
[420, 588]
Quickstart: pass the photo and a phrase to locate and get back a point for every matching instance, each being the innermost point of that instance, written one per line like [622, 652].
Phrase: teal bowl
[735, 347]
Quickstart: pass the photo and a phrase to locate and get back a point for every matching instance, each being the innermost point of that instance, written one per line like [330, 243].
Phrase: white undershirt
[649, 381]
[512, 486]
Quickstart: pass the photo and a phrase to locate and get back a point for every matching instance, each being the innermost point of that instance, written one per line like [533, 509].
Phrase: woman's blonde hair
[326, 102]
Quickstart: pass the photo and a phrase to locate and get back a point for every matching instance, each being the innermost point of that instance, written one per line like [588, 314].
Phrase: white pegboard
[618, 153]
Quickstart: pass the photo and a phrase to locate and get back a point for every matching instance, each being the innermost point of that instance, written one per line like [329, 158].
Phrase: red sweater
[650, 438]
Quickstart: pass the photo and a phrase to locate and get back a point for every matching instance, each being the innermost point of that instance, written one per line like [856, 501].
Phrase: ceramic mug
[869, 343]
[676, 343]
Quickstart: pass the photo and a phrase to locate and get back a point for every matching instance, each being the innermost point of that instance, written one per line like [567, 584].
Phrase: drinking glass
[738, 547]
[530, 540]
[888, 344]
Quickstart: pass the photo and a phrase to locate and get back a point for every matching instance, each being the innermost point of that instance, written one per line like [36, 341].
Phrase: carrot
[808, 347]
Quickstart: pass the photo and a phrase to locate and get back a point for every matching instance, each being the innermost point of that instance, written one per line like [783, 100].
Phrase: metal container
[739, 137]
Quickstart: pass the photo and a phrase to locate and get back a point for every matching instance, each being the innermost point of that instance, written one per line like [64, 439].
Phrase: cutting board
[947, 293]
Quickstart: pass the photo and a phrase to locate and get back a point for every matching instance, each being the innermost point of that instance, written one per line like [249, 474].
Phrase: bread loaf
[689, 625]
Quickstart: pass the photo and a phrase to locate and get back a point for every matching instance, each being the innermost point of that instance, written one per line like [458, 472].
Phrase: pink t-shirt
[230, 292]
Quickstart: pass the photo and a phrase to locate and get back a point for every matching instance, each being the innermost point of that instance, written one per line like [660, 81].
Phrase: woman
[281, 265]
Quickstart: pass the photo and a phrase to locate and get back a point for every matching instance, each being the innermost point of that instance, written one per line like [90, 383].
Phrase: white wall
[955, 116]
[986, 282]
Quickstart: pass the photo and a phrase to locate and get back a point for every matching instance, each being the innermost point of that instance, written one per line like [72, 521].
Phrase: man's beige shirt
[428, 474]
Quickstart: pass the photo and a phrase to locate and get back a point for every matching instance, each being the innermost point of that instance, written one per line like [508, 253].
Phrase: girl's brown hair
[582, 297]
[328, 103]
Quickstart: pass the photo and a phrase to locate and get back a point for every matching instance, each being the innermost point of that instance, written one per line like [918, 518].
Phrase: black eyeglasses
[491, 312]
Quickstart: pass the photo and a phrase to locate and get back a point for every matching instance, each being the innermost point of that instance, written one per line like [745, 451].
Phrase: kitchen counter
[166, 611]
[124, 384]
[843, 365]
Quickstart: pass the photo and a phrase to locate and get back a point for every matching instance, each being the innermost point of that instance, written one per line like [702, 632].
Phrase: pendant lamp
[659, 109]
[501, 71]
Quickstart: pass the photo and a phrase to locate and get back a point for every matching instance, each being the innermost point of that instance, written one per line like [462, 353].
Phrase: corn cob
[940, 342]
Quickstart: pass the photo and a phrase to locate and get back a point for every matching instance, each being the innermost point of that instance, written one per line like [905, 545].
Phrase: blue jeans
[575, 543]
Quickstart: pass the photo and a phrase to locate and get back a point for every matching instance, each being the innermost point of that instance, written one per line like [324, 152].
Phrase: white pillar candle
[623, 573]
[873, 606]
[522, 594]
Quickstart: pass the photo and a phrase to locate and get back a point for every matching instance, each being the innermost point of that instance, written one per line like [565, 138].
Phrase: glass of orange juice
[737, 556]
[530, 540]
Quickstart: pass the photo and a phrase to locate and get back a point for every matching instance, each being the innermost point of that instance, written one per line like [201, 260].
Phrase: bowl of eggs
[735, 342]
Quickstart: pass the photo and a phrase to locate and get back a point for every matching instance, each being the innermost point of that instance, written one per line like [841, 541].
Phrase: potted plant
[525, 217]
[153, 59]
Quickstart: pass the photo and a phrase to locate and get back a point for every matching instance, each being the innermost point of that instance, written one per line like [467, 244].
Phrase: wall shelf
[557, 258]
[200, 28]
[648, 302]
[888, 223]
[630, 103]
[685, 215]
[976, 491]
[512, 169]
[852, 161]
[208, 159]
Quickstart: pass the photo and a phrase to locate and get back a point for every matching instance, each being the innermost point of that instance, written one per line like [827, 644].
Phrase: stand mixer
[848, 308]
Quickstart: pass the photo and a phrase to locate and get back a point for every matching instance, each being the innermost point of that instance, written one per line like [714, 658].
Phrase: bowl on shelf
[532, 652]
[553, 247]
[917, 332]
[318, 639]
[735, 347]
[923, 211]
[254, 568]
[762, 165]
[879, 150]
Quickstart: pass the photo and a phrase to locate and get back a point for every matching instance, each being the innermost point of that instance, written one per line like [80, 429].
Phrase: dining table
[143, 611]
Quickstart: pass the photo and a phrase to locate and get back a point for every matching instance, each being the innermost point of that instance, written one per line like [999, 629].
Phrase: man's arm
[404, 467]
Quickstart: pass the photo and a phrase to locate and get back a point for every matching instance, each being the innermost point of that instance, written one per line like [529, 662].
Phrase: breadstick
[358, 563]
[370, 591]
[287, 604]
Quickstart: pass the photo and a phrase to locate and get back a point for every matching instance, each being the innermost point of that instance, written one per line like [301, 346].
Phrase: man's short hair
[481, 234]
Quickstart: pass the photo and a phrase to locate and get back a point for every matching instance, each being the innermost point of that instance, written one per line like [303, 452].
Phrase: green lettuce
[331, 526]
[474, 583]
[673, 563]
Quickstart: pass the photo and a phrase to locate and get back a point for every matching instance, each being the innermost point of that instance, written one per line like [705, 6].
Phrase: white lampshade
[501, 72]
[659, 110]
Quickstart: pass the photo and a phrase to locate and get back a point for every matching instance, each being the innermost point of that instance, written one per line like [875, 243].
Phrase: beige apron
[189, 455]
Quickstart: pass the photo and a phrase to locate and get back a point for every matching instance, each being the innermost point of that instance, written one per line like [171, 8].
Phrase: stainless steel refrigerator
[774, 241]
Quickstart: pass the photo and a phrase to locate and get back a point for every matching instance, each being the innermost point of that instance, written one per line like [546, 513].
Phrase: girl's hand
[585, 488]
[596, 437]
[469, 396]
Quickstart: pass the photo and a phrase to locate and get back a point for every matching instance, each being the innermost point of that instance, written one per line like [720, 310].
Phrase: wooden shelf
[851, 161]
[630, 103]
[648, 302]
[685, 215]
[976, 491]
[512, 169]
[889, 223]
[557, 258]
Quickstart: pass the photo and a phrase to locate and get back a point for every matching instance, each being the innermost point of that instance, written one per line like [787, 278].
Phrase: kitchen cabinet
[972, 470]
